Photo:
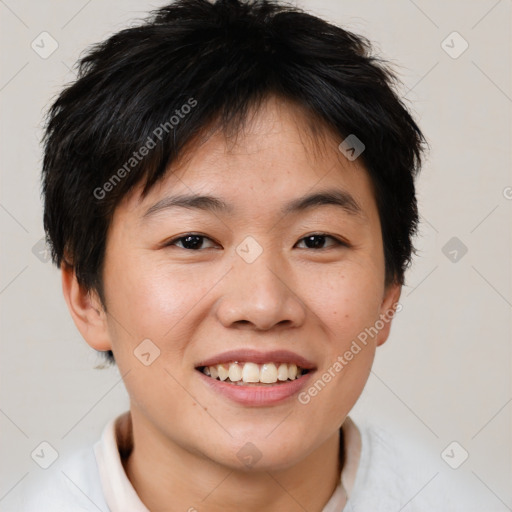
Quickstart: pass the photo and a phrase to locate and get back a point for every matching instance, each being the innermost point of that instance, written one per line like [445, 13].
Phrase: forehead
[277, 157]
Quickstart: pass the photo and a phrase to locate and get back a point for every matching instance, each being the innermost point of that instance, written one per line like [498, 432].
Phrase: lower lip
[257, 395]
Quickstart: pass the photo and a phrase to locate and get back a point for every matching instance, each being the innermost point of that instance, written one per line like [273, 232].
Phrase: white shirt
[383, 472]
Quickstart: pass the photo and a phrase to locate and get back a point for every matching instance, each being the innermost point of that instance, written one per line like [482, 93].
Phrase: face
[253, 277]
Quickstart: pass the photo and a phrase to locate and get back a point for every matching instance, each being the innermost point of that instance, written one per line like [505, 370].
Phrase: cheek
[154, 299]
[166, 305]
[347, 305]
[347, 300]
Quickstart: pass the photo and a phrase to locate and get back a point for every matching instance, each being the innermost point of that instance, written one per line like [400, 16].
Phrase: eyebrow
[335, 197]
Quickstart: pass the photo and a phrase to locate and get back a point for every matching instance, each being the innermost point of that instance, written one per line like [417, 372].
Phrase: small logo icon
[249, 250]
[454, 249]
[351, 147]
[147, 352]
[44, 455]
[44, 45]
[249, 455]
[454, 45]
[454, 455]
[40, 250]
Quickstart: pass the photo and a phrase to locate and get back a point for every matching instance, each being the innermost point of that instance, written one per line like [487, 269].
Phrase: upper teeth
[252, 372]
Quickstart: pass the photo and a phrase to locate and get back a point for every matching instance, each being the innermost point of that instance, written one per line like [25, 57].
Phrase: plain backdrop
[444, 375]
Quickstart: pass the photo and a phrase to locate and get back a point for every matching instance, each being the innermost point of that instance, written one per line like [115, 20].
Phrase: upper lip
[257, 356]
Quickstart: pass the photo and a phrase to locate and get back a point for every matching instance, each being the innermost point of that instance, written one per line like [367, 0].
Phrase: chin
[255, 451]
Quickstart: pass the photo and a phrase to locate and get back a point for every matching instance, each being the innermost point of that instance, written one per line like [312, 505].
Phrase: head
[250, 105]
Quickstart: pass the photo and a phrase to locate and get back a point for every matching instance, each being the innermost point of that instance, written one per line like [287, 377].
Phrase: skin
[194, 304]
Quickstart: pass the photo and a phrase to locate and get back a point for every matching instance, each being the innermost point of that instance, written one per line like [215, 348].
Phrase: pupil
[319, 239]
[196, 241]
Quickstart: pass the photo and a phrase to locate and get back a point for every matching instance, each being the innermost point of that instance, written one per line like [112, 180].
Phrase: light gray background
[445, 372]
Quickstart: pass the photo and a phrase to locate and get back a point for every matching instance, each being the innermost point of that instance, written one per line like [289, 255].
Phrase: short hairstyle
[194, 64]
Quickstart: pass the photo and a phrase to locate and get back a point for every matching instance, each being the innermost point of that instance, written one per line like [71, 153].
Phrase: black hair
[193, 64]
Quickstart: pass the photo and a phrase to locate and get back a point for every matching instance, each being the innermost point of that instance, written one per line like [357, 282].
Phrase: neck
[164, 473]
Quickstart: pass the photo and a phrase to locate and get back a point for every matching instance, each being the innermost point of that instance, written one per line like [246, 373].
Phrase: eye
[190, 241]
[316, 241]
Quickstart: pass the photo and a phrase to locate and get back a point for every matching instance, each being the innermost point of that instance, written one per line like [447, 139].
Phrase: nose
[260, 295]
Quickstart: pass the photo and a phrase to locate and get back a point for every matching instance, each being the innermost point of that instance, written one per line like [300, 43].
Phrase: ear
[388, 310]
[86, 310]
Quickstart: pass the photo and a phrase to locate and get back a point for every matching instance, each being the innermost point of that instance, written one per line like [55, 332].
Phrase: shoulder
[72, 484]
[397, 470]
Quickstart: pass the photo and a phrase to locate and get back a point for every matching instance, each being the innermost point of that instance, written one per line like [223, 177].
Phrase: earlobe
[86, 310]
[389, 308]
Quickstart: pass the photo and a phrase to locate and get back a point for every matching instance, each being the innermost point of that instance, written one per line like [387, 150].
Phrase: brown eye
[190, 241]
[317, 240]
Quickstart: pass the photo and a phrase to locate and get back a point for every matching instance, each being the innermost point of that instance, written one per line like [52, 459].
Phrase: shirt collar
[117, 488]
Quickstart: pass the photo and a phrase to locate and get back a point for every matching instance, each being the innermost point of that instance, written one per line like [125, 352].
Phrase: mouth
[254, 374]
[254, 378]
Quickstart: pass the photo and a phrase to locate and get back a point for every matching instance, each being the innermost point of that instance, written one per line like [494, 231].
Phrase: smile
[255, 378]
[250, 373]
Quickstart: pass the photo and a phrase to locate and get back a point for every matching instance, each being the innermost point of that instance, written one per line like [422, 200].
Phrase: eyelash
[337, 241]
